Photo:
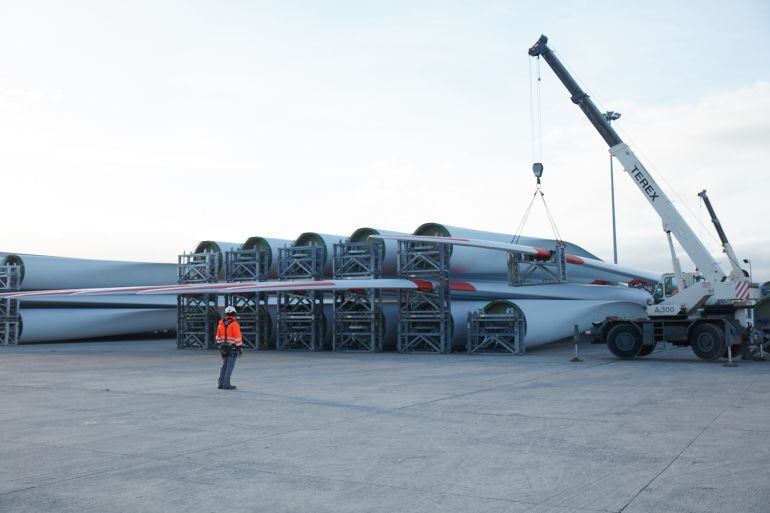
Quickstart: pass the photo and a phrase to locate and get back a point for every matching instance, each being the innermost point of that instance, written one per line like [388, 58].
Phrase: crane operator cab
[669, 285]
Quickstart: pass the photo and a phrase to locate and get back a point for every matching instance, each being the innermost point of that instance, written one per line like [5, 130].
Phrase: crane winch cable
[551, 221]
[536, 118]
[536, 129]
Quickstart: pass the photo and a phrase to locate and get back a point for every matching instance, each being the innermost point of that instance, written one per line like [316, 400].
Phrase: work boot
[230, 387]
[220, 387]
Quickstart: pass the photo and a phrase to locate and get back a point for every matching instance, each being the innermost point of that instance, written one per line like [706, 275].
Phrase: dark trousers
[228, 364]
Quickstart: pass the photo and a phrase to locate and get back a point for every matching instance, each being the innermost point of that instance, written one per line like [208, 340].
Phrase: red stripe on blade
[423, 285]
[572, 259]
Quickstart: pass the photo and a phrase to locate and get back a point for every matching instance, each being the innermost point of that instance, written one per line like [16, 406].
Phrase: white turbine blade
[473, 243]
[107, 291]
[353, 284]
[295, 285]
[232, 288]
[620, 270]
[278, 286]
[573, 291]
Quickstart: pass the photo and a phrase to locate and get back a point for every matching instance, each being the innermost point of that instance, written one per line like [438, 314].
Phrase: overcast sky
[132, 130]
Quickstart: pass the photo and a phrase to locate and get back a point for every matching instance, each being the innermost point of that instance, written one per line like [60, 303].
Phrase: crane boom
[672, 220]
[737, 271]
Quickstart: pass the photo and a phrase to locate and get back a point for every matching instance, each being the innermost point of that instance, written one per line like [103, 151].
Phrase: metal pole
[730, 362]
[611, 116]
[614, 231]
[576, 339]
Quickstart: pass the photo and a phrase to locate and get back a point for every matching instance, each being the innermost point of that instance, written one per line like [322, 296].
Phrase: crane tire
[707, 341]
[646, 350]
[624, 340]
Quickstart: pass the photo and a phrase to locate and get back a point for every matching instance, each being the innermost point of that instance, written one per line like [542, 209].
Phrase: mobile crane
[709, 310]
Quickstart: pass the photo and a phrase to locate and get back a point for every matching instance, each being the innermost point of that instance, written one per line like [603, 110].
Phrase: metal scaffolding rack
[249, 265]
[424, 320]
[495, 332]
[10, 280]
[197, 314]
[300, 315]
[358, 318]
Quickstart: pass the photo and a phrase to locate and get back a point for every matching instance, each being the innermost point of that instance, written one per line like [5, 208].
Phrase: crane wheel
[646, 350]
[624, 340]
[707, 341]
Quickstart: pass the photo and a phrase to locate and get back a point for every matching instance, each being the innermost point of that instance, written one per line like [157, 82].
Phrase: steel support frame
[252, 312]
[300, 321]
[424, 321]
[196, 321]
[248, 265]
[300, 315]
[495, 333]
[358, 319]
[197, 315]
[10, 280]
[554, 268]
[197, 267]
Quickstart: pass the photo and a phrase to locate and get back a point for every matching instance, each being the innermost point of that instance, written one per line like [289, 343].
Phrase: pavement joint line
[73, 478]
[373, 410]
[311, 478]
[171, 456]
[738, 396]
[748, 430]
[284, 398]
[96, 451]
[112, 391]
[250, 439]
[536, 378]
[523, 415]
[272, 435]
[418, 489]
[263, 395]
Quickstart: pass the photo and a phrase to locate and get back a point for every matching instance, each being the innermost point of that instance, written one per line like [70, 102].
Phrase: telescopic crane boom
[708, 309]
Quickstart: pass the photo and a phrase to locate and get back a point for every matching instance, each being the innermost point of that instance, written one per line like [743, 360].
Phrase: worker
[229, 342]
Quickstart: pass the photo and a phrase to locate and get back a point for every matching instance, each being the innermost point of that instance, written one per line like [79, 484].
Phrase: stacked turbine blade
[54, 319]
[479, 282]
[433, 290]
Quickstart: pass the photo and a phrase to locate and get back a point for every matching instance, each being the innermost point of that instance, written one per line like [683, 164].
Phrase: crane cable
[536, 130]
[535, 121]
[551, 221]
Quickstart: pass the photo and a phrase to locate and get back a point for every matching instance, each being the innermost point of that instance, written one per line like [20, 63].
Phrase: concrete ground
[140, 427]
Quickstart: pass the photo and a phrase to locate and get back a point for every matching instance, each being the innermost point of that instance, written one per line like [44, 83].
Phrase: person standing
[229, 342]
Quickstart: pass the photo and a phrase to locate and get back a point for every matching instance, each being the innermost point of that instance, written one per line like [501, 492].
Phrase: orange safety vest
[229, 331]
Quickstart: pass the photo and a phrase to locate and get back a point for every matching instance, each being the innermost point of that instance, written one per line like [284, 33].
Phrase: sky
[133, 130]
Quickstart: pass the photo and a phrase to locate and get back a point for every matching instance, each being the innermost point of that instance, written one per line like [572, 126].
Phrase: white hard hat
[229, 310]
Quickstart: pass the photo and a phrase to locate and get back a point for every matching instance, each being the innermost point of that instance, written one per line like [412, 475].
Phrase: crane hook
[537, 169]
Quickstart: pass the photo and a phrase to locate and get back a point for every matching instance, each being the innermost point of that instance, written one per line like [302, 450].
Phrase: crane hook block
[537, 169]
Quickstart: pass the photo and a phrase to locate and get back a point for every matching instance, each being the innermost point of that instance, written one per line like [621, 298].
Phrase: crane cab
[670, 286]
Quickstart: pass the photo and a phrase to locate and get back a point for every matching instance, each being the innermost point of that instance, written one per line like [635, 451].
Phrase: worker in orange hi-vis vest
[229, 342]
